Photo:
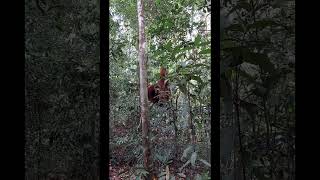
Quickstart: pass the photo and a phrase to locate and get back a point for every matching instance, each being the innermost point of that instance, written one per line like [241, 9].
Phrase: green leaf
[236, 58]
[182, 175]
[186, 152]
[160, 158]
[197, 40]
[235, 27]
[180, 55]
[183, 49]
[205, 43]
[176, 49]
[168, 45]
[184, 165]
[169, 24]
[259, 59]
[280, 3]
[205, 51]
[262, 24]
[176, 6]
[193, 158]
[228, 44]
[201, 65]
[248, 77]
[202, 85]
[161, 174]
[205, 162]
[197, 78]
[241, 5]
[256, 163]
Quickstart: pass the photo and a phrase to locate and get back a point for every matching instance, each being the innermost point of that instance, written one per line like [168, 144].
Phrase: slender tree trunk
[39, 141]
[174, 110]
[240, 164]
[191, 126]
[227, 133]
[143, 90]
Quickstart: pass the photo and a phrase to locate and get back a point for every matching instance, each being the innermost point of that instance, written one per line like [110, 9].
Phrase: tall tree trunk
[192, 131]
[227, 133]
[174, 110]
[239, 164]
[39, 141]
[143, 90]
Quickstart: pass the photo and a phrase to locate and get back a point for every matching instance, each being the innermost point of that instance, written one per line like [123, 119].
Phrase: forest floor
[122, 168]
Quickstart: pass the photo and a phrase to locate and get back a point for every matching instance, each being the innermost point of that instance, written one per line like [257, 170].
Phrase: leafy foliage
[178, 38]
[258, 39]
[62, 89]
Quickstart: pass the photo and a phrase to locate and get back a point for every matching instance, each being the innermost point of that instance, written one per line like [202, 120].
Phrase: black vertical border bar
[13, 94]
[104, 89]
[215, 96]
[12, 81]
[23, 34]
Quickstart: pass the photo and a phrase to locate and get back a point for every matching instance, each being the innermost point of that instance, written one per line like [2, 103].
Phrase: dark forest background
[62, 89]
[257, 72]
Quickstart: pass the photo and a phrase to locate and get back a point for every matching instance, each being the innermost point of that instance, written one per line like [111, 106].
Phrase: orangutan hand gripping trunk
[160, 91]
